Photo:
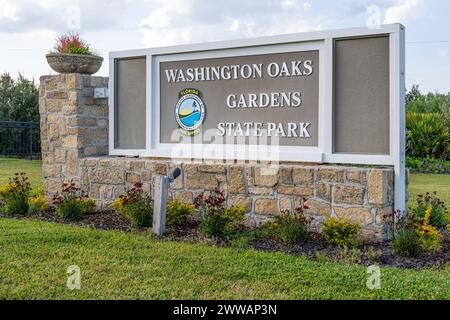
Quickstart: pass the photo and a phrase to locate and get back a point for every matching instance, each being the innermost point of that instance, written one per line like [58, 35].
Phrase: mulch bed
[315, 248]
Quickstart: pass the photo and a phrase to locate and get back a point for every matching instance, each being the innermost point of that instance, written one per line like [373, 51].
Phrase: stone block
[286, 175]
[54, 106]
[184, 196]
[51, 170]
[330, 175]
[356, 176]
[133, 177]
[74, 81]
[266, 176]
[72, 163]
[70, 142]
[266, 206]
[315, 207]
[57, 95]
[323, 191]
[285, 204]
[296, 191]
[303, 176]
[345, 194]
[236, 179]
[261, 191]
[360, 215]
[107, 175]
[241, 201]
[53, 186]
[377, 186]
[209, 168]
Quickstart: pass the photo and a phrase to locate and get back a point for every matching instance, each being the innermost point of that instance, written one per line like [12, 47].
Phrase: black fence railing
[20, 139]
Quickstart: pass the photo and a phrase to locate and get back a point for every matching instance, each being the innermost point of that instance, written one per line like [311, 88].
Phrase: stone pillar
[73, 125]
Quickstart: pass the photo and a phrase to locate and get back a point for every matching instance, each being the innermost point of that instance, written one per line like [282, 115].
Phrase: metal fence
[20, 139]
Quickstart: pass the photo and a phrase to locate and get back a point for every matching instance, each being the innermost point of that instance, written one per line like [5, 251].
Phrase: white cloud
[8, 11]
[443, 52]
[403, 11]
[196, 20]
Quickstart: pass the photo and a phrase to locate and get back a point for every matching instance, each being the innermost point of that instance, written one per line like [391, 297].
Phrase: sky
[28, 28]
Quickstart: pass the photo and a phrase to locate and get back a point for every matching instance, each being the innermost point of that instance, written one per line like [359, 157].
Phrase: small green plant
[216, 219]
[179, 213]
[15, 194]
[439, 214]
[406, 243]
[72, 204]
[340, 231]
[291, 228]
[136, 206]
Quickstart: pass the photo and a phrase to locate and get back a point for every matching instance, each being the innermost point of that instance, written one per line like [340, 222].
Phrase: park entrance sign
[333, 97]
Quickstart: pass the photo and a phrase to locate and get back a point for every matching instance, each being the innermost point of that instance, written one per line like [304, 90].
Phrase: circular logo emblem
[190, 112]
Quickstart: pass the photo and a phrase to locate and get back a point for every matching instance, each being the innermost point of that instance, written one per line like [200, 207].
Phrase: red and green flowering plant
[15, 194]
[71, 43]
[136, 206]
[216, 218]
[72, 203]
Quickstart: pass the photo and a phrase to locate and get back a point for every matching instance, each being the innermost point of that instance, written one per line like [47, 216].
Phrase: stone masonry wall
[74, 133]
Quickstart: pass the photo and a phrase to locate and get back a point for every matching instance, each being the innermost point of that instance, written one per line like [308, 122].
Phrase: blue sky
[28, 28]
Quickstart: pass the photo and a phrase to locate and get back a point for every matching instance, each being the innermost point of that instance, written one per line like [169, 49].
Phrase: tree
[19, 99]
[413, 94]
[429, 103]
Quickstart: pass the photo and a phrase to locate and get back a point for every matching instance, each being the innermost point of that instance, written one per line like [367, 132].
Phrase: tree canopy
[19, 99]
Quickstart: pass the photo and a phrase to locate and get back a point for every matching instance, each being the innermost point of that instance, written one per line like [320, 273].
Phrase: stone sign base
[74, 134]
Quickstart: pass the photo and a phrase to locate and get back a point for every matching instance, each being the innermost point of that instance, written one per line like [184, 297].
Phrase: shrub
[430, 237]
[216, 219]
[427, 135]
[136, 206]
[72, 204]
[73, 44]
[340, 231]
[428, 165]
[291, 228]
[15, 194]
[406, 243]
[179, 213]
[439, 214]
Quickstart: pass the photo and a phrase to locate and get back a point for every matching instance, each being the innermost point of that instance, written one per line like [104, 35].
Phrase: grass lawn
[34, 257]
[422, 183]
[33, 169]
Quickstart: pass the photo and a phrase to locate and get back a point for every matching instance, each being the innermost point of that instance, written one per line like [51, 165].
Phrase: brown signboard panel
[274, 92]
[361, 104]
[130, 99]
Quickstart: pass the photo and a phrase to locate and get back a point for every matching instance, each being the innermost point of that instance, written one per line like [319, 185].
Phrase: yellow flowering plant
[430, 237]
[37, 204]
[6, 189]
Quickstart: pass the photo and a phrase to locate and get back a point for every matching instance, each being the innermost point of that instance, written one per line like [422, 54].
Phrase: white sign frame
[323, 153]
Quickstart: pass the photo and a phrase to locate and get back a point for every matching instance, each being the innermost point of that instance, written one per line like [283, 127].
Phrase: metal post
[162, 185]
[30, 150]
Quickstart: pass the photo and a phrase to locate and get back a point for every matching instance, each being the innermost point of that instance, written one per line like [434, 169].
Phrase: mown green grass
[34, 257]
[423, 183]
[33, 169]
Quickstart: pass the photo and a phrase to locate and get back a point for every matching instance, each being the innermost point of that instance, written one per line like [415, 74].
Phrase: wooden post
[162, 184]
